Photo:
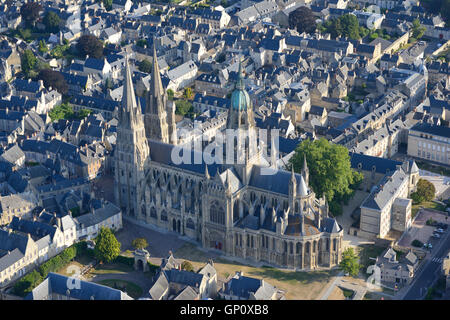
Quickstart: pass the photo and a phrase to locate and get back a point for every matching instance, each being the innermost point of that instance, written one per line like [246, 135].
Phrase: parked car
[440, 230]
[436, 235]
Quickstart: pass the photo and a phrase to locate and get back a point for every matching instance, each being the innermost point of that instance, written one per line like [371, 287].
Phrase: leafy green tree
[349, 262]
[145, 66]
[418, 30]
[350, 26]
[188, 93]
[42, 46]
[107, 4]
[62, 111]
[107, 248]
[425, 191]
[303, 20]
[30, 12]
[183, 107]
[54, 79]
[139, 243]
[90, 45]
[186, 265]
[27, 61]
[83, 113]
[330, 172]
[170, 94]
[52, 22]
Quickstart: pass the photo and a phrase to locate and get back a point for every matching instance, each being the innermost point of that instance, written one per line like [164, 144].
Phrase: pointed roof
[156, 87]
[305, 165]
[414, 167]
[129, 105]
[303, 189]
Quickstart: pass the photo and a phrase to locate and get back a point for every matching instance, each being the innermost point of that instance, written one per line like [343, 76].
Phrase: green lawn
[427, 204]
[366, 252]
[132, 289]
[111, 268]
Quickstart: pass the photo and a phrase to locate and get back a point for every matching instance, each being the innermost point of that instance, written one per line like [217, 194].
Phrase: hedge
[125, 260]
[25, 285]
[58, 262]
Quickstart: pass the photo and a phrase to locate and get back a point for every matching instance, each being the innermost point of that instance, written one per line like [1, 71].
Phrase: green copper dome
[240, 100]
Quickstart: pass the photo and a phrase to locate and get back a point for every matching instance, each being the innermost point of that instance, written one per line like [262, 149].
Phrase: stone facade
[240, 209]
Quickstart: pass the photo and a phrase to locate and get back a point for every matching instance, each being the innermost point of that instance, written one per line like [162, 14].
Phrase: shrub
[125, 260]
[417, 243]
[186, 265]
[25, 285]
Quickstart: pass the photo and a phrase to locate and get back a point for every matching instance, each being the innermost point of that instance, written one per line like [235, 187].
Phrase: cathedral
[234, 208]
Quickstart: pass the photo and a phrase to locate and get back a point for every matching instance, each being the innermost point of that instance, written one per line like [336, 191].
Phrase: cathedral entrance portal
[174, 225]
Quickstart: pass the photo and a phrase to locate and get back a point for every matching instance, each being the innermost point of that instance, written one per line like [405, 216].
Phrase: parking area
[420, 230]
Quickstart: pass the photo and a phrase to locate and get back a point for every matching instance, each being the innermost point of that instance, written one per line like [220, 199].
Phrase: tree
[30, 12]
[52, 22]
[83, 113]
[145, 66]
[186, 265]
[90, 45]
[42, 46]
[425, 191]
[170, 94]
[54, 79]
[418, 30]
[139, 243]
[188, 93]
[349, 263]
[107, 248]
[107, 4]
[63, 111]
[183, 107]
[27, 61]
[350, 26]
[330, 172]
[303, 20]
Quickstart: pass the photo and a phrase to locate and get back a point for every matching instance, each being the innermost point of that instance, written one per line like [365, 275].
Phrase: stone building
[244, 209]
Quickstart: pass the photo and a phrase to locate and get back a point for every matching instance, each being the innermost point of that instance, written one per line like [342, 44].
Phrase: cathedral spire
[156, 117]
[129, 111]
[156, 87]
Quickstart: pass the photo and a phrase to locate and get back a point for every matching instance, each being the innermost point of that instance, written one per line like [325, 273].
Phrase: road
[430, 270]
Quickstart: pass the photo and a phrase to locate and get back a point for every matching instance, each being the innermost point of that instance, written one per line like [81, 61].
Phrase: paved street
[430, 270]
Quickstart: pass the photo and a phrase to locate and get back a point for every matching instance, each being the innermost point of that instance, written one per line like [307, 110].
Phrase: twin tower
[133, 134]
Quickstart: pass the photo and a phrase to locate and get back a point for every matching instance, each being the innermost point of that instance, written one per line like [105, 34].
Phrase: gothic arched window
[190, 224]
[216, 213]
[153, 213]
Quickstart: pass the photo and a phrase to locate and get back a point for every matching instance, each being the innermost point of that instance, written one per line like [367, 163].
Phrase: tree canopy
[52, 22]
[349, 262]
[90, 45]
[183, 107]
[425, 191]
[186, 265]
[107, 248]
[303, 20]
[145, 66]
[30, 12]
[28, 61]
[330, 172]
[54, 79]
[139, 243]
[418, 30]
[346, 25]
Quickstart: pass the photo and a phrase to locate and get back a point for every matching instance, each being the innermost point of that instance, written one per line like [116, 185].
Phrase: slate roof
[57, 284]
[381, 165]
[432, 129]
